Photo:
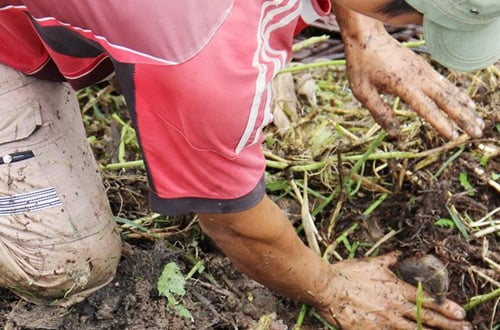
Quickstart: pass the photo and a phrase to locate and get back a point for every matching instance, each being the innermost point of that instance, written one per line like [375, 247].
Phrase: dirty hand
[377, 63]
[365, 294]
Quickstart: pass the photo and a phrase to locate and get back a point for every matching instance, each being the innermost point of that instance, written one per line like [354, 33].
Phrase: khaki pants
[58, 240]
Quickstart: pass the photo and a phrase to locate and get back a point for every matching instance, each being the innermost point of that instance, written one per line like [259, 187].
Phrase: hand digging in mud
[352, 294]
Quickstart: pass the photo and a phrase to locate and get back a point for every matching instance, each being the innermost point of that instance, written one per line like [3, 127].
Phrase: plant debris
[361, 192]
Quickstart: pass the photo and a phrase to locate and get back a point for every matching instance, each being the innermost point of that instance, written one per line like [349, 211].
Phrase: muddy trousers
[58, 240]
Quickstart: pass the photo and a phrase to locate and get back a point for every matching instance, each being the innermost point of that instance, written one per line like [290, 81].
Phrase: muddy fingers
[458, 106]
[380, 111]
[434, 319]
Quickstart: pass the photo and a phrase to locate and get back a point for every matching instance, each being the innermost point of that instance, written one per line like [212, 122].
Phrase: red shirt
[196, 74]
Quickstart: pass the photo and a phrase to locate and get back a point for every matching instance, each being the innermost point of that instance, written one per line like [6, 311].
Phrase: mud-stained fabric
[58, 240]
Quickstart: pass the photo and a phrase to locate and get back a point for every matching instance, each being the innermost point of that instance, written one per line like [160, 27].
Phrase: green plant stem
[298, 68]
[420, 299]
[361, 162]
[318, 165]
[316, 65]
[309, 42]
[276, 165]
[458, 222]
[478, 300]
[301, 317]
[198, 267]
[367, 154]
[375, 204]
[124, 165]
[323, 321]
[412, 44]
[449, 161]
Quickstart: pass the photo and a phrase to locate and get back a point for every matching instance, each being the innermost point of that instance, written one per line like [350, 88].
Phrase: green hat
[461, 34]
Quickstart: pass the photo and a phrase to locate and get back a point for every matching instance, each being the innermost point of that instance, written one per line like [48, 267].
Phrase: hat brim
[463, 50]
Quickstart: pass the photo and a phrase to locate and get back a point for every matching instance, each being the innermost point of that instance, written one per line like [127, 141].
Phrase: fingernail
[467, 326]
[471, 104]
[460, 314]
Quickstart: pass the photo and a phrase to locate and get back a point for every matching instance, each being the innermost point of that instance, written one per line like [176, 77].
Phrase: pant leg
[58, 240]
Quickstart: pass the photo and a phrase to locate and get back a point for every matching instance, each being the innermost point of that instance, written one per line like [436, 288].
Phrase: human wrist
[353, 25]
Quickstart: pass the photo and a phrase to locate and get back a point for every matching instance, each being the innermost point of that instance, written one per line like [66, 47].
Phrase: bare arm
[355, 294]
[387, 11]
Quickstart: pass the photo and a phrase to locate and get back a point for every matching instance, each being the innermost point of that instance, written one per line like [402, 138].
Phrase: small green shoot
[445, 223]
[375, 204]
[420, 299]
[323, 321]
[301, 317]
[197, 268]
[495, 176]
[449, 161]
[458, 223]
[171, 285]
[131, 224]
[464, 182]
[483, 161]
[360, 164]
[353, 249]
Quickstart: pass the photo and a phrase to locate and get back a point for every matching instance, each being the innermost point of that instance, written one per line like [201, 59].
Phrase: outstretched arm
[377, 63]
[353, 294]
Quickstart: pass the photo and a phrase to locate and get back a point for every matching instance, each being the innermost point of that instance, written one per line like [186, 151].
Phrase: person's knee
[57, 273]
[57, 234]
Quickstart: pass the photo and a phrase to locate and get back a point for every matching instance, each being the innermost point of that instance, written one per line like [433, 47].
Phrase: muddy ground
[220, 297]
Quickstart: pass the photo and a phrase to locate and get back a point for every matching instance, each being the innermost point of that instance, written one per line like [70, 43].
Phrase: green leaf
[183, 312]
[495, 176]
[464, 182]
[171, 282]
[445, 223]
[484, 161]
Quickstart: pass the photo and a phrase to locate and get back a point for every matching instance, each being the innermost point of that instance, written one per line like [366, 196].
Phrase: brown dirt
[222, 298]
